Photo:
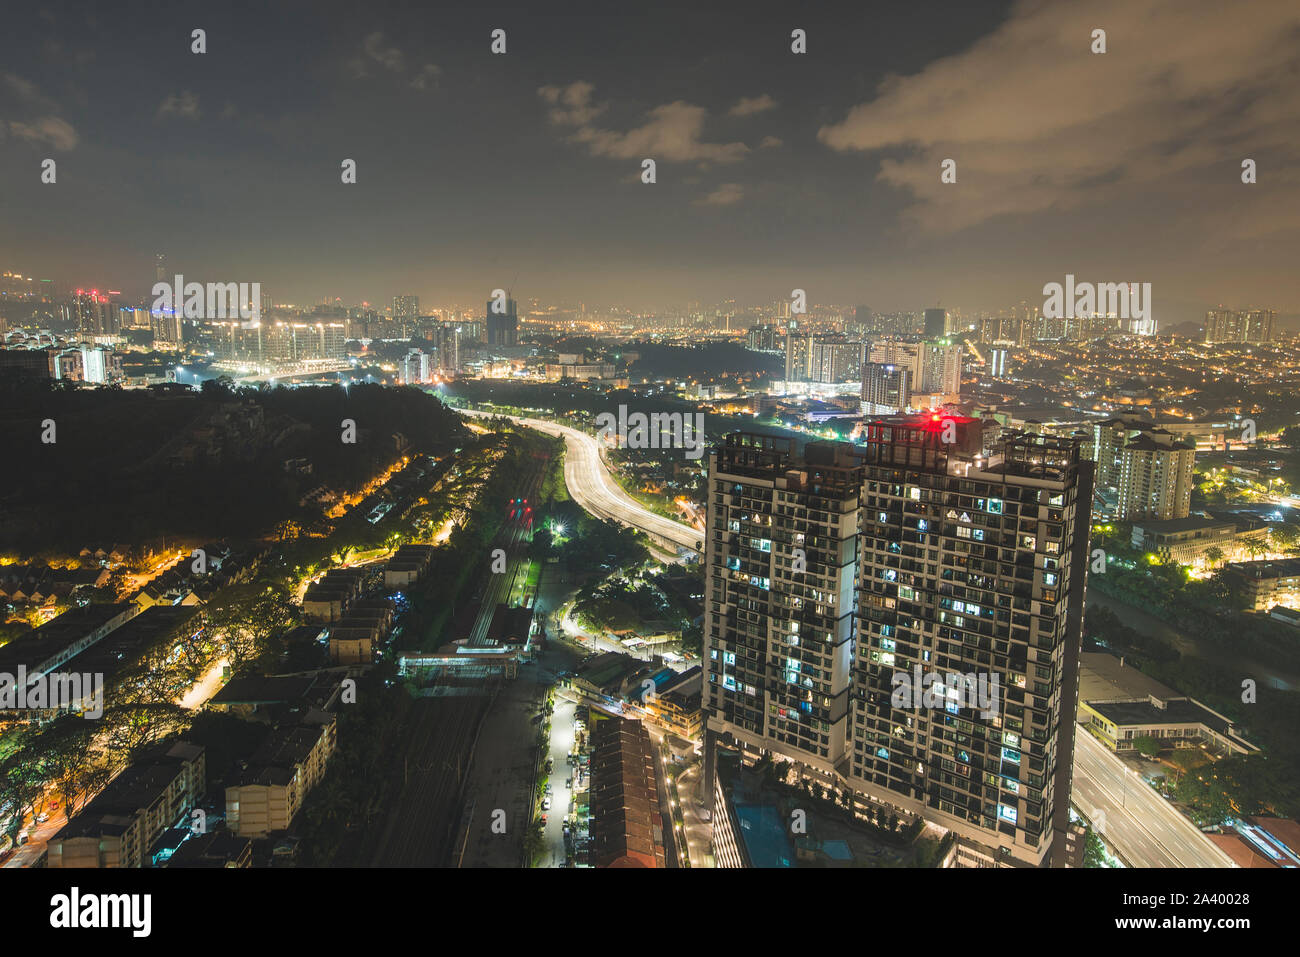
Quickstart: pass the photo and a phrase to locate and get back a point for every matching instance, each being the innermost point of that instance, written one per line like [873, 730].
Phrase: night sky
[775, 170]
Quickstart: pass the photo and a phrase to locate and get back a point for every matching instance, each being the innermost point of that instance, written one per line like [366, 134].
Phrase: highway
[1139, 824]
[592, 487]
[1142, 826]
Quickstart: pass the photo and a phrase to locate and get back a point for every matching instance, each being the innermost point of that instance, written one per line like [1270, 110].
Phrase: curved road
[593, 488]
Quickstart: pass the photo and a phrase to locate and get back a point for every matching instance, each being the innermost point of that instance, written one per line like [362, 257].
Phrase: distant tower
[160, 268]
[503, 327]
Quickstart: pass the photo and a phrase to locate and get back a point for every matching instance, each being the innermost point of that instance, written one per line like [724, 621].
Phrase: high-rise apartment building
[886, 389]
[935, 366]
[406, 307]
[779, 595]
[952, 571]
[1147, 468]
[416, 367]
[898, 353]
[95, 315]
[835, 360]
[1155, 480]
[762, 338]
[798, 357]
[936, 323]
[1239, 325]
[941, 367]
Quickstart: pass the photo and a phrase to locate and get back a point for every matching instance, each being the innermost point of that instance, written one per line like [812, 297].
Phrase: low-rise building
[625, 820]
[330, 598]
[268, 793]
[407, 565]
[118, 826]
[1183, 540]
[676, 705]
[1261, 585]
[1119, 704]
[1171, 722]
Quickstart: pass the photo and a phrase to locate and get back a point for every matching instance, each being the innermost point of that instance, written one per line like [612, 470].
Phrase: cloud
[771, 142]
[749, 105]
[428, 76]
[1036, 122]
[571, 105]
[376, 49]
[50, 129]
[184, 105]
[389, 57]
[40, 123]
[725, 195]
[23, 89]
[672, 131]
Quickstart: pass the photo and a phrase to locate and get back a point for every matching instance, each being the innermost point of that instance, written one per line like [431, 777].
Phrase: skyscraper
[1147, 467]
[1239, 325]
[835, 360]
[886, 389]
[798, 357]
[416, 367]
[940, 368]
[781, 559]
[936, 323]
[502, 323]
[953, 571]
[448, 341]
[96, 316]
[406, 307]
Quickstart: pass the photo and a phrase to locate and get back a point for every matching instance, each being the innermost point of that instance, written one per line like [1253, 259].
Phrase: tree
[1284, 537]
[1094, 851]
[1146, 746]
[21, 787]
[534, 844]
[1213, 556]
[244, 620]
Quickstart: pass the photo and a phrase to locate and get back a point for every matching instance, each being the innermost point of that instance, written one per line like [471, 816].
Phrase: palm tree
[1213, 555]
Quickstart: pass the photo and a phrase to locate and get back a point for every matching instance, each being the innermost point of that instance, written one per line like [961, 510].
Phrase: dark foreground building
[903, 619]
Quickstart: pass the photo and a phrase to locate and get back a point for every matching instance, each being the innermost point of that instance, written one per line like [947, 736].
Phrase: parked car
[568, 782]
[546, 804]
